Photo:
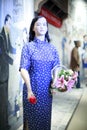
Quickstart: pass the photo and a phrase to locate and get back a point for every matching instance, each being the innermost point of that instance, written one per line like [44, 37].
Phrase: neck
[42, 38]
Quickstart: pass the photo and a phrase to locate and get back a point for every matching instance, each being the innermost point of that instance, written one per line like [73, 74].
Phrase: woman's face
[40, 27]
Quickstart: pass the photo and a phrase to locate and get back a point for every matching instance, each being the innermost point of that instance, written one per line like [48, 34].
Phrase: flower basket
[66, 78]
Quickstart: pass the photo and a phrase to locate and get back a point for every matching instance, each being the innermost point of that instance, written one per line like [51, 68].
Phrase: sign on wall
[51, 18]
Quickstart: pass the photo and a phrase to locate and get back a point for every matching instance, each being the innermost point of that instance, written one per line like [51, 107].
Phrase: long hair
[32, 33]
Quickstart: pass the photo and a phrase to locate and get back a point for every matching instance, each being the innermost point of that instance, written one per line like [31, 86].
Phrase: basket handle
[58, 66]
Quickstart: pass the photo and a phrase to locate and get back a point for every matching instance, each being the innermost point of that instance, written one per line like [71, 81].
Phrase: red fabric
[32, 99]
[51, 18]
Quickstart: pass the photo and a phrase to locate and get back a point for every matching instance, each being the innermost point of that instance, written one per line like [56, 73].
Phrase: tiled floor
[79, 119]
[64, 105]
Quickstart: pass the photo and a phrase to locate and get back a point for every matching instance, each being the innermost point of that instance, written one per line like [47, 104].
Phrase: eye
[44, 24]
[38, 24]
[41, 24]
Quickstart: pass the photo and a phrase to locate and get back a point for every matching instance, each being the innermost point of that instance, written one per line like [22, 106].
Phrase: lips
[32, 100]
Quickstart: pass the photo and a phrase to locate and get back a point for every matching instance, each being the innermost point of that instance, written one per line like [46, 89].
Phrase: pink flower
[70, 84]
[60, 82]
[65, 80]
[74, 76]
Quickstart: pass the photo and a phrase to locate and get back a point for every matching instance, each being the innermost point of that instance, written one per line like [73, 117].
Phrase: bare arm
[26, 78]
[55, 74]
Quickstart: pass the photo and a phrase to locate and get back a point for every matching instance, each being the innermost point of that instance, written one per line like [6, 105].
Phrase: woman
[37, 60]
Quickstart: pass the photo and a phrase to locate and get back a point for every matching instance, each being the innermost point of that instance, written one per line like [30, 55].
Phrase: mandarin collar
[39, 41]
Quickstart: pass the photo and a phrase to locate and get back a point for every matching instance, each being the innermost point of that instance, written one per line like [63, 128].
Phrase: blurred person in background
[84, 57]
[75, 61]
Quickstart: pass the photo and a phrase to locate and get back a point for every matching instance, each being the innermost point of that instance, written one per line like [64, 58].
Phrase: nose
[42, 26]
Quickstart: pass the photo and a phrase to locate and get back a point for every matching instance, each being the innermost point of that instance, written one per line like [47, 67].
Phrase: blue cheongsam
[39, 58]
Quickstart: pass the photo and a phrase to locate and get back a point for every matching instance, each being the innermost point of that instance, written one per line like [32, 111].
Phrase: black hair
[32, 33]
[6, 18]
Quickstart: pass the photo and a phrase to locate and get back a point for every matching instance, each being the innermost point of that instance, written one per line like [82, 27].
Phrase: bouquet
[66, 78]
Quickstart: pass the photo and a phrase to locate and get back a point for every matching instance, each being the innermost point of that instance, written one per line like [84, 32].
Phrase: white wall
[28, 11]
[56, 37]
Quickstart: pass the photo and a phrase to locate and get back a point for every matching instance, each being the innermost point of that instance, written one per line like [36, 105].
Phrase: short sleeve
[25, 58]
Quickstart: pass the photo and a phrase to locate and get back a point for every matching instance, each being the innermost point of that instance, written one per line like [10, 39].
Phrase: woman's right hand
[30, 93]
[31, 98]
